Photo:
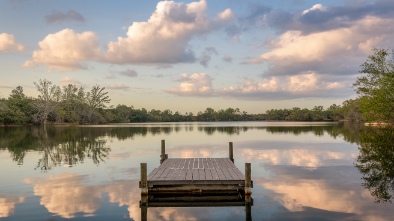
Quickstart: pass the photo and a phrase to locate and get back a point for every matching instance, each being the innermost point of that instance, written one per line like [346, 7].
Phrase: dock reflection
[232, 200]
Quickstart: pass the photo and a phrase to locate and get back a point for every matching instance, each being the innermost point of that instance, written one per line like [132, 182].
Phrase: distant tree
[20, 106]
[97, 97]
[376, 87]
[48, 99]
[351, 110]
[154, 116]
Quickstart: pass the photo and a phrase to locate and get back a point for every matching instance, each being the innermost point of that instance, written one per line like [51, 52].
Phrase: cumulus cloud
[57, 16]
[8, 43]
[129, 73]
[303, 85]
[197, 84]
[65, 50]
[327, 52]
[164, 38]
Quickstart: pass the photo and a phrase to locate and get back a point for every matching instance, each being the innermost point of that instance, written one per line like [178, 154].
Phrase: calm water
[301, 171]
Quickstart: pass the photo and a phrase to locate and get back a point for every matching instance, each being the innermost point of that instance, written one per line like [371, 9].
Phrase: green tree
[20, 106]
[376, 87]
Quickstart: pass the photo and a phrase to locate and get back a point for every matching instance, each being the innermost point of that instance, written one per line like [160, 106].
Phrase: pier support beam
[230, 151]
[163, 155]
[144, 182]
[248, 179]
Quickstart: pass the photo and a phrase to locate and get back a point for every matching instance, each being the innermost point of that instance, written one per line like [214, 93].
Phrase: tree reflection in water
[72, 152]
[376, 162]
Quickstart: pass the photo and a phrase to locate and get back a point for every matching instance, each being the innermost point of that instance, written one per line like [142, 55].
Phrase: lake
[300, 171]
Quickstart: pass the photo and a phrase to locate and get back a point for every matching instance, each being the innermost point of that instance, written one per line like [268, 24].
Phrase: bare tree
[47, 99]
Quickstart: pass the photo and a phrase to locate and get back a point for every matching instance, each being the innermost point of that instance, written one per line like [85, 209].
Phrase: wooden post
[230, 151]
[248, 180]
[144, 208]
[248, 208]
[163, 155]
[144, 181]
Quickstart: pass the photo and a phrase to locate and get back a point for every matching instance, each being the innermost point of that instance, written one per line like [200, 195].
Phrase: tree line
[74, 105]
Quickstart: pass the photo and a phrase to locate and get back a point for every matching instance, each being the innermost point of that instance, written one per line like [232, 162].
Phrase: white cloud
[164, 37]
[307, 84]
[319, 7]
[326, 52]
[65, 50]
[197, 84]
[8, 44]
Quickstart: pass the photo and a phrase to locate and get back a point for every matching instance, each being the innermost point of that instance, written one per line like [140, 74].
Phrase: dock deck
[195, 176]
[196, 171]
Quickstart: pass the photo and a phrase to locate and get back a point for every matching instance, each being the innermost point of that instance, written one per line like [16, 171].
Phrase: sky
[189, 55]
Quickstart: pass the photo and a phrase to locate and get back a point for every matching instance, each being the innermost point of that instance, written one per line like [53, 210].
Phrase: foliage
[97, 98]
[376, 87]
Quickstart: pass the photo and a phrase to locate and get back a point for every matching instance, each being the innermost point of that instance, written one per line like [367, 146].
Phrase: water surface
[301, 171]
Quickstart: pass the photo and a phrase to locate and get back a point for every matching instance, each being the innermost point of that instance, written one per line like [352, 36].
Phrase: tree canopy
[376, 87]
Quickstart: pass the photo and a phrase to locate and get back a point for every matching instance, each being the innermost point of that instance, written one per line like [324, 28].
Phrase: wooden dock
[196, 182]
[196, 176]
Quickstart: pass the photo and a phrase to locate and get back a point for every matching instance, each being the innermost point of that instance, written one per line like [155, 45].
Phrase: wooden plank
[182, 174]
[177, 174]
[219, 170]
[210, 163]
[225, 170]
[189, 174]
[201, 173]
[196, 175]
[208, 174]
[195, 164]
[169, 175]
[160, 170]
[188, 163]
[230, 168]
[206, 163]
[154, 171]
[214, 174]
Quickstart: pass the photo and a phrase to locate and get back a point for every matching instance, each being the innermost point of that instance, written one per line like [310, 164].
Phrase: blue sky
[189, 55]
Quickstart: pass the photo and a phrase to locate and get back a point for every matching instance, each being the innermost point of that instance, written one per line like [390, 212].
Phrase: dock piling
[230, 151]
[163, 155]
[248, 180]
[144, 180]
